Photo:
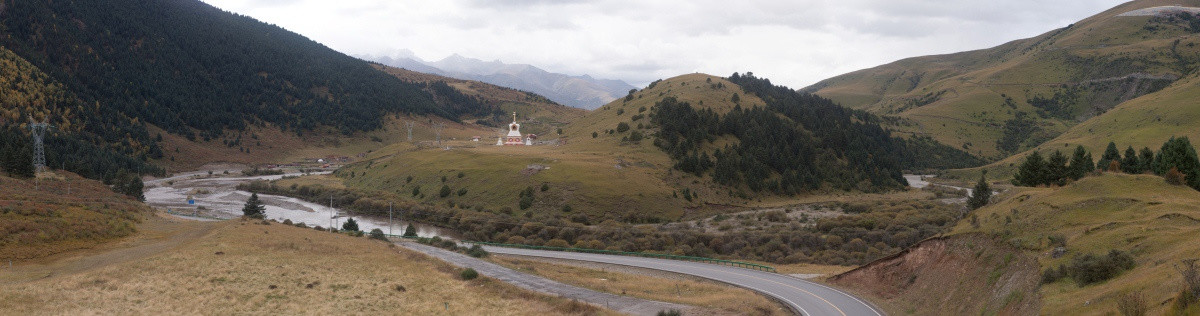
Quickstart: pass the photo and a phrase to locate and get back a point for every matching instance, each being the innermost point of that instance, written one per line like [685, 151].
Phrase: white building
[514, 133]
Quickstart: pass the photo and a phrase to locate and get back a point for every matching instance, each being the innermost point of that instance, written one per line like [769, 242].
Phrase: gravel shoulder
[539, 284]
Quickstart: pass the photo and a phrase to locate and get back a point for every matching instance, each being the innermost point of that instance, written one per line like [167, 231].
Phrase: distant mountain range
[582, 92]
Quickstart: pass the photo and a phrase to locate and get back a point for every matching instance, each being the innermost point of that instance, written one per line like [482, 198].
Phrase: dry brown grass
[245, 267]
[42, 221]
[652, 285]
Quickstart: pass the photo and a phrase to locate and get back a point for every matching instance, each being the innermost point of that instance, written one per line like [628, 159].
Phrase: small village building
[476, 138]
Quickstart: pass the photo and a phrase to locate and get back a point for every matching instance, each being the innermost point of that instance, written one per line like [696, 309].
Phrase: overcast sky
[795, 43]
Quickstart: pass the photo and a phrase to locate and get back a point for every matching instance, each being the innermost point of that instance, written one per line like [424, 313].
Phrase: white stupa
[514, 133]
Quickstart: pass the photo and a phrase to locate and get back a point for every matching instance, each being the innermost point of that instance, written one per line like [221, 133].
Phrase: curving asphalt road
[803, 296]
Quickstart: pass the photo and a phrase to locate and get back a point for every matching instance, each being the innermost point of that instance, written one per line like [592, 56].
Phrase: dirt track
[157, 234]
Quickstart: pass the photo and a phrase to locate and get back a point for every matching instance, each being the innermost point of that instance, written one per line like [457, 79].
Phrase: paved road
[624, 304]
[806, 297]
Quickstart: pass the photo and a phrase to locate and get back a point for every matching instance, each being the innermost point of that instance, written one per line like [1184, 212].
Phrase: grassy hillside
[602, 177]
[614, 162]
[1147, 121]
[973, 100]
[56, 214]
[240, 267]
[1141, 215]
[1155, 222]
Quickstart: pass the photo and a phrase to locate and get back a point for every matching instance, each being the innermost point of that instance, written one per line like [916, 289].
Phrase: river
[217, 196]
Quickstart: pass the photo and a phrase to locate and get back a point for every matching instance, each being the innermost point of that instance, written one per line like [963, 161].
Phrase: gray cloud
[795, 43]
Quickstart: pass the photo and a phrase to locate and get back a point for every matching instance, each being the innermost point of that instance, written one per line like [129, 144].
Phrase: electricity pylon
[39, 152]
[409, 124]
[437, 128]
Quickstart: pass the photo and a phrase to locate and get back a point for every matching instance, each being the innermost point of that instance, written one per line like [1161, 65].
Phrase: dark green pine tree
[410, 231]
[1147, 160]
[254, 208]
[1081, 163]
[1179, 153]
[981, 194]
[1030, 172]
[1131, 164]
[1110, 154]
[350, 225]
[1056, 169]
[18, 159]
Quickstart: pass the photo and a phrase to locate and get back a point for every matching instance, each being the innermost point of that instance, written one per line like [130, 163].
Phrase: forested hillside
[86, 139]
[798, 142]
[107, 73]
[193, 69]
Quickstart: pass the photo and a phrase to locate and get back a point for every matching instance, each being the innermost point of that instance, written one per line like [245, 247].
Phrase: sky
[794, 43]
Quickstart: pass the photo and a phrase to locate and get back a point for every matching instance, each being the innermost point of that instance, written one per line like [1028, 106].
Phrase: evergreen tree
[1178, 153]
[410, 231]
[254, 207]
[1132, 164]
[1081, 163]
[17, 156]
[981, 194]
[1030, 172]
[1110, 154]
[350, 225]
[1056, 169]
[1147, 160]
[128, 183]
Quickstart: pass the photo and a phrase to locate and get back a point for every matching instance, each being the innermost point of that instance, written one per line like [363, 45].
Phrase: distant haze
[582, 92]
[795, 43]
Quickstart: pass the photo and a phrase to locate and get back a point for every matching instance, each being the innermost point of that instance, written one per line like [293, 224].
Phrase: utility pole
[332, 215]
[390, 218]
[409, 124]
[437, 129]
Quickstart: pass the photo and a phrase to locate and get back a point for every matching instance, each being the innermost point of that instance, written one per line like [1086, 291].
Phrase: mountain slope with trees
[1004, 100]
[197, 71]
[651, 157]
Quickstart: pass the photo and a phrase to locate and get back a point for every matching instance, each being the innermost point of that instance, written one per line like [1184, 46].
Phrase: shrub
[1089, 268]
[635, 136]
[566, 208]
[378, 234]
[477, 252]
[674, 312]
[559, 243]
[1050, 276]
[410, 231]
[462, 191]
[525, 202]
[1191, 283]
[622, 127]
[545, 187]
[350, 225]
[1132, 304]
[468, 274]
[1174, 177]
[445, 191]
